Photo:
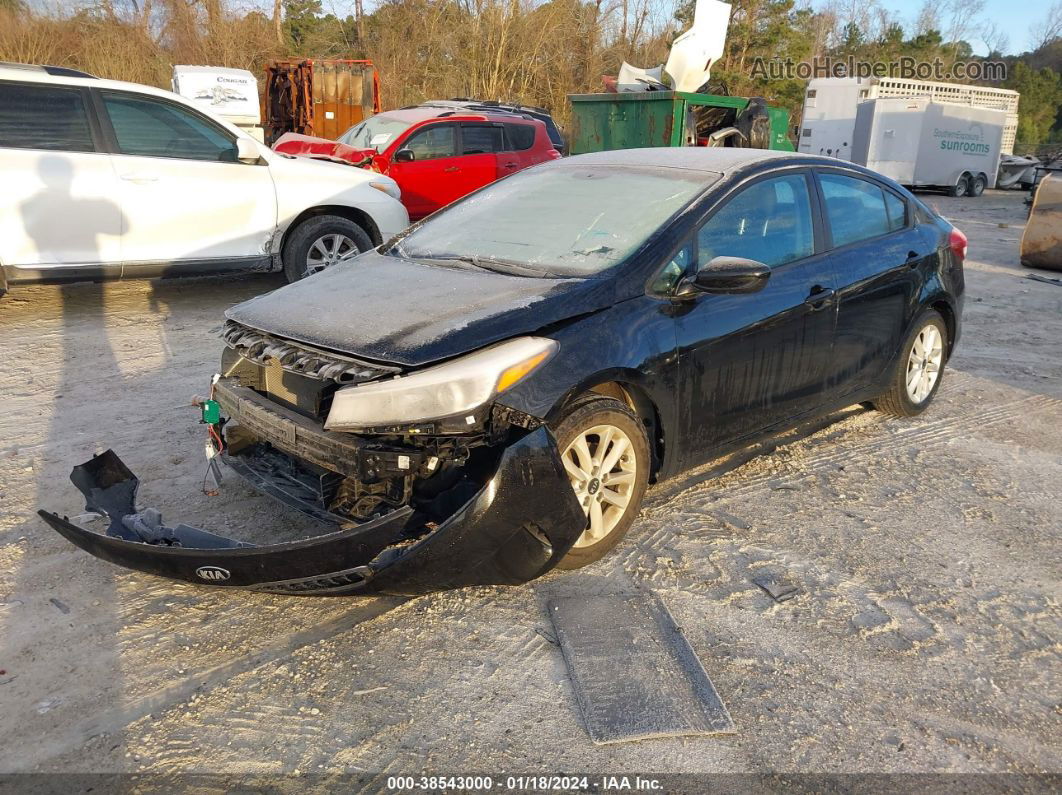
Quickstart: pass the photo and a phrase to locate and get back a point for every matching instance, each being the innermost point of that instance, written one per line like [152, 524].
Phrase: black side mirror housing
[405, 156]
[726, 275]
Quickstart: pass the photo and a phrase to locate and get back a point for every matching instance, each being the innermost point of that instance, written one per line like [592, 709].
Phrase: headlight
[446, 390]
[390, 188]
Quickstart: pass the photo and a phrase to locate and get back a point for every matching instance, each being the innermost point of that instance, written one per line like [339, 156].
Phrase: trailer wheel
[977, 187]
[961, 186]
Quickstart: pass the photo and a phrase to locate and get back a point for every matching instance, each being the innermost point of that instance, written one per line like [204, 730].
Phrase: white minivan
[104, 179]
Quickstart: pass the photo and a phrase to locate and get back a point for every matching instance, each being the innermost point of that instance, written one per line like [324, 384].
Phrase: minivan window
[43, 117]
[153, 128]
[769, 221]
[855, 209]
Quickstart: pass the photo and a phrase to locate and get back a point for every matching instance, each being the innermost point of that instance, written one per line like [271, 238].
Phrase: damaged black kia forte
[488, 395]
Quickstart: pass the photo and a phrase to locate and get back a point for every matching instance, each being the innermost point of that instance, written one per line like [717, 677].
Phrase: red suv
[437, 155]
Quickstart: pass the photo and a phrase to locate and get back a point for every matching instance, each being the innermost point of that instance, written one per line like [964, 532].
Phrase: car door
[59, 207]
[519, 148]
[483, 156]
[430, 180]
[752, 361]
[188, 202]
[877, 256]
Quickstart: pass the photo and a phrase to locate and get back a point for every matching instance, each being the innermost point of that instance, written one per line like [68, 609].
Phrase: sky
[1011, 16]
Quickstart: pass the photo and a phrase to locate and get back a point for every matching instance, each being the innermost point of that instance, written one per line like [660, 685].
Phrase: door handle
[913, 258]
[140, 178]
[819, 297]
[510, 165]
[450, 169]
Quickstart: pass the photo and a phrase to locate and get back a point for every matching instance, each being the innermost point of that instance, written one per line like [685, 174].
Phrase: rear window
[521, 136]
[43, 117]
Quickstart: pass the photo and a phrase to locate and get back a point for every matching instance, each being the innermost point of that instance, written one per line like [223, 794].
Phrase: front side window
[557, 220]
[43, 117]
[855, 209]
[479, 139]
[769, 222]
[431, 143]
[152, 128]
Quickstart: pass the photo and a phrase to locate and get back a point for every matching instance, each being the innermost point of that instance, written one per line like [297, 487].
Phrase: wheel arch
[353, 214]
[947, 311]
[622, 386]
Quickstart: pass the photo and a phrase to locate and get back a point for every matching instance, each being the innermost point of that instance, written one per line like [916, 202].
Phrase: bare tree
[928, 18]
[962, 16]
[1048, 29]
[995, 38]
[277, 28]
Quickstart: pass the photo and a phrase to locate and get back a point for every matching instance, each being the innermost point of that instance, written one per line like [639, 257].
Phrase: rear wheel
[977, 186]
[918, 372]
[319, 242]
[605, 451]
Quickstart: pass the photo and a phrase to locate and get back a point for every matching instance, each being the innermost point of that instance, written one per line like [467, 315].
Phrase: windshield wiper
[506, 266]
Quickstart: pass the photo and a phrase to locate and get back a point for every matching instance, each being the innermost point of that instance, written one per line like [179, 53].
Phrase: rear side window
[150, 128]
[521, 136]
[478, 139]
[769, 221]
[855, 209]
[897, 210]
[44, 117]
[431, 143]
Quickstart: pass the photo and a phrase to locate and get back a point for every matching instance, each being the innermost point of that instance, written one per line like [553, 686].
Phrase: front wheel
[320, 242]
[961, 186]
[605, 451]
[917, 375]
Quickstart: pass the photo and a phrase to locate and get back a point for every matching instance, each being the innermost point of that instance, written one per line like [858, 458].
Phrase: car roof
[419, 113]
[719, 160]
[63, 76]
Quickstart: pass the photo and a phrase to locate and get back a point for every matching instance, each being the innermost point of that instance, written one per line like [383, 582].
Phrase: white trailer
[231, 94]
[923, 144]
[827, 124]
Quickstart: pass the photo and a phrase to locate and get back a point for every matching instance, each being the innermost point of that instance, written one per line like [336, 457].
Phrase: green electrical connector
[211, 412]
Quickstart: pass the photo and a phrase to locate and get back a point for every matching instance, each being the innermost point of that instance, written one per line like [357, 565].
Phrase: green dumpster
[655, 118]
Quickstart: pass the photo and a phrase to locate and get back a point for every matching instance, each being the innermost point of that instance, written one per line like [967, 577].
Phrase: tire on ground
[297, 246]
[583, 414]
[895, 400]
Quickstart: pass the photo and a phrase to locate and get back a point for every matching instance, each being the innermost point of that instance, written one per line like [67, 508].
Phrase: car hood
[410, 313]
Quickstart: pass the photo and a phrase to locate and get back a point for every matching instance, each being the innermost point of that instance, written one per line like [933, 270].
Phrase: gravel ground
[925, 637]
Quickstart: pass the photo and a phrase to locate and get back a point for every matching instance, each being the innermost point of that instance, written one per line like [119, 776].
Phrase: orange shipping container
[323, 98]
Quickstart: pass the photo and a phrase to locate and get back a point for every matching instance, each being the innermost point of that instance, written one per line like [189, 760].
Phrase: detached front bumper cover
[516, 528]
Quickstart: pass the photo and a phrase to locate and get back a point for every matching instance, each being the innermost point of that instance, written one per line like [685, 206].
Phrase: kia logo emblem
[212, 573]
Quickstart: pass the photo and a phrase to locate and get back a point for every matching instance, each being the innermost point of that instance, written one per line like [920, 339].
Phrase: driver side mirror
[726, 275]
[247, 151]
[405, 156]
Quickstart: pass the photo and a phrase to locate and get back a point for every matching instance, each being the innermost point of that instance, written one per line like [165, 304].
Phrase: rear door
[431, 179]
[753, 361]
[878, 255]
[60, 210]
[483, 155]
[519, 148]
[188, 202]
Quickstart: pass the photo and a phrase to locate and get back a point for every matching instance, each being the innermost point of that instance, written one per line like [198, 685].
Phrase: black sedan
[488, 395]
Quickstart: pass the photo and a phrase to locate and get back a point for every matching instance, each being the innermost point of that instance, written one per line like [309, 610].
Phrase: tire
[960, 187]
[977, 187]
[337, 237]
[899, 400]
[579, 422]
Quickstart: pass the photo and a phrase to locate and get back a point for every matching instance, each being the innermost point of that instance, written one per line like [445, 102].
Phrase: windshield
[558, 220]
[374, 133]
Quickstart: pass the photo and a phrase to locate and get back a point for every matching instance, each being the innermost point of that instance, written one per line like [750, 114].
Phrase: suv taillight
[957, 244]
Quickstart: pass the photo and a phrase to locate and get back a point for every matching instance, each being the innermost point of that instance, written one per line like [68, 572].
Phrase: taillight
[957, 244]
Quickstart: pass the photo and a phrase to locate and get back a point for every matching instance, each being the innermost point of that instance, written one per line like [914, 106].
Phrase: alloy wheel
[328, 250]
[924, 363]
[602, 468]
